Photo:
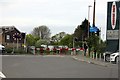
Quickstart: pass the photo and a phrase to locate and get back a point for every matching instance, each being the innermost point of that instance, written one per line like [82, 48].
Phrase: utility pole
[88, 18]
[94, 13]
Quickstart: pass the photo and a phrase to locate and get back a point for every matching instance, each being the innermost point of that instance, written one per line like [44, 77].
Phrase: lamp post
[88, 18]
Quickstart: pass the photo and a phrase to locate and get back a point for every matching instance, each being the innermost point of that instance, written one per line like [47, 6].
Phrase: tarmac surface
[56, 66]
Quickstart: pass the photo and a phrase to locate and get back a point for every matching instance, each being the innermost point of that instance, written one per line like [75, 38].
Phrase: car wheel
[117, 60]
[107, 58]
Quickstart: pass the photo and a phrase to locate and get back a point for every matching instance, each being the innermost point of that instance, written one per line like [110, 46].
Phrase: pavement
[92, 61]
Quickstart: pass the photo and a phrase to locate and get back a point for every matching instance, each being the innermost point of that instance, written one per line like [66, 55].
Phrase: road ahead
[54, 67]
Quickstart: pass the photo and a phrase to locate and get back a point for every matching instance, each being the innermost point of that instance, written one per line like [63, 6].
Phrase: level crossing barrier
[57, 51]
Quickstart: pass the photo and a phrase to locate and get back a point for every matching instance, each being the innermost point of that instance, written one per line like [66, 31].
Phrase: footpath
[92, 61]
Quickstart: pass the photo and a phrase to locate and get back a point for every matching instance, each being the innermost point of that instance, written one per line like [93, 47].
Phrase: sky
[57, 15]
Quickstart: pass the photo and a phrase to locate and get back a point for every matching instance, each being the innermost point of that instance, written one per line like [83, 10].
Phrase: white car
[2, 48]
[114, 57]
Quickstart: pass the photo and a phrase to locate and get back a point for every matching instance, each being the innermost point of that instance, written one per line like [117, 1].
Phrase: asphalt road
[53, 67]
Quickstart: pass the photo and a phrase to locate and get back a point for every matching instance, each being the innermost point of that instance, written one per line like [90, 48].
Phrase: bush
[19, 51]
[8, 50]
[16, 51]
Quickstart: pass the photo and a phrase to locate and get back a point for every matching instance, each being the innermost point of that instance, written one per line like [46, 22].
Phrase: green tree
[41, 42]
[67, 40]
[95, 43]
[31, 40]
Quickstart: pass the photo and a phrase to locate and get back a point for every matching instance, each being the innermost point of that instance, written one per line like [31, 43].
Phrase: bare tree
[41, 31]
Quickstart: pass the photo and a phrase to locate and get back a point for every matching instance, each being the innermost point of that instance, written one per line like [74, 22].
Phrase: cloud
[55, 13]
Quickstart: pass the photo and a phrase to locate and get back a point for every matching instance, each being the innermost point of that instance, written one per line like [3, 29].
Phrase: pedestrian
[85, 49]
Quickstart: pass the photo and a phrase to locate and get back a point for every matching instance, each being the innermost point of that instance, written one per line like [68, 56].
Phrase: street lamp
[88, 18]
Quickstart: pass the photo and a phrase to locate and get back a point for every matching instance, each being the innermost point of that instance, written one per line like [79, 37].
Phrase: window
[8, 37]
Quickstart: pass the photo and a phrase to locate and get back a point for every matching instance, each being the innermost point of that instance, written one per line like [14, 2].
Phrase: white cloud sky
[58, 15]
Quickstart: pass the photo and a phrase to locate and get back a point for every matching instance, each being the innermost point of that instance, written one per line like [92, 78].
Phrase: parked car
[2, 49]
[114, 57]
[106, 56]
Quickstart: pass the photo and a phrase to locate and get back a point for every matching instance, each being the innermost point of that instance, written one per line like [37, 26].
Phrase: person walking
[85, 49]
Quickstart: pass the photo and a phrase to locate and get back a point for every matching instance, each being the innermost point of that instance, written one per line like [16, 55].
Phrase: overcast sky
[58, 15]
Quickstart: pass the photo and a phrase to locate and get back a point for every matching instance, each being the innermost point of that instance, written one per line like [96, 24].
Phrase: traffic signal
[23, 35]
[75, 39]
[98, 32]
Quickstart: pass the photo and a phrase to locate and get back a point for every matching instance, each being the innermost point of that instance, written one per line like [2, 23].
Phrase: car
[2, 49]
[114, 57]
[106, 56]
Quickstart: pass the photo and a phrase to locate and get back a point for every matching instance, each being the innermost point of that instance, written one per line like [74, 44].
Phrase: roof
[7, 28]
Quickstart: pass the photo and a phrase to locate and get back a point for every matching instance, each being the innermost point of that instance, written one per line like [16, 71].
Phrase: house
[11, 36]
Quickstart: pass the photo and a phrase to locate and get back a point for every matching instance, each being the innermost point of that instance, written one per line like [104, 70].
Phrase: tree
[58, 37]
[67, 40]
[81, 32]
[40, 42]
[42, 31]
[96, 44]
[31, 40]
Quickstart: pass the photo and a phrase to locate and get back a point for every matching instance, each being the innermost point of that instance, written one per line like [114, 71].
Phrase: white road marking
[2, 75]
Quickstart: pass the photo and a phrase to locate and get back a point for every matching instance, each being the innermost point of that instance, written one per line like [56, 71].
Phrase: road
[54, 67]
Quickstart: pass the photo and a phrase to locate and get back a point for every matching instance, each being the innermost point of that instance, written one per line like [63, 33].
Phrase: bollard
[96, 55]
[74, 51]
[93, 56]
[100, 56]
[34, 50]
[104, 56]
[90, 54]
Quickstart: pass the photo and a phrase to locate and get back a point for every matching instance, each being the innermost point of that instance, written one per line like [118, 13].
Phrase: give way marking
[2, 75]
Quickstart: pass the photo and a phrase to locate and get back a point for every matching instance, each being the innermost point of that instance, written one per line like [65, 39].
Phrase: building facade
[11, 36]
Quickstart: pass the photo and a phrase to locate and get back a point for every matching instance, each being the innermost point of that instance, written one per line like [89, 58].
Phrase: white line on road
[2, 75]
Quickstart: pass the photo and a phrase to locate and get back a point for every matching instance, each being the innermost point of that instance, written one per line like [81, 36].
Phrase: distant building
[10, 36]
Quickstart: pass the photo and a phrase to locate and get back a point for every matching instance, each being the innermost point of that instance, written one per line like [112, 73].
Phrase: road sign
[94, 29]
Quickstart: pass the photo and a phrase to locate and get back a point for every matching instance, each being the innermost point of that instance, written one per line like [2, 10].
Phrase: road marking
[2, 75]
